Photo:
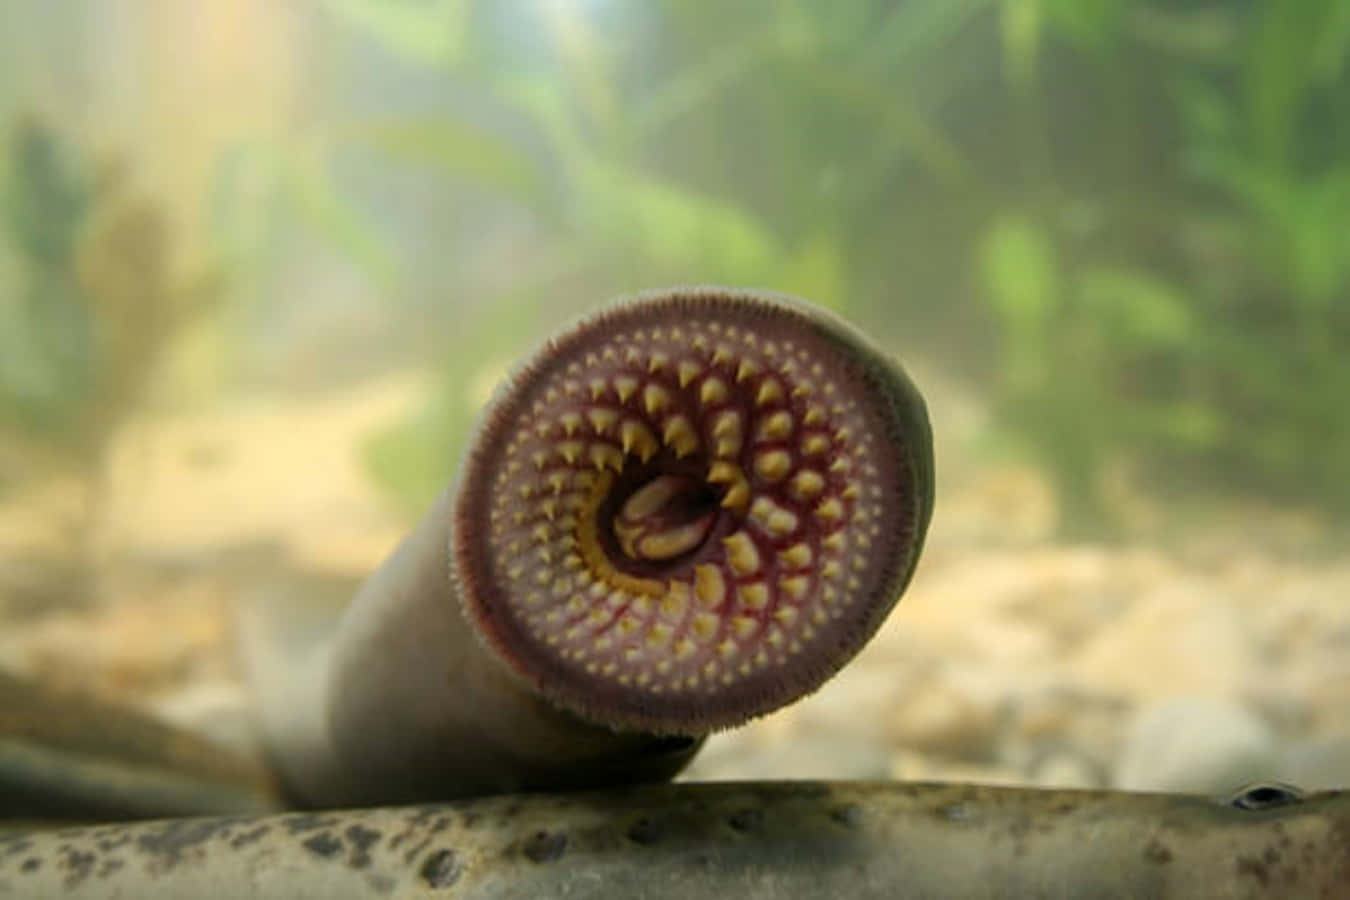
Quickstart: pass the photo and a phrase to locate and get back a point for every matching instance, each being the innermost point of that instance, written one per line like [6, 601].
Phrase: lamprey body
[66, 755]
[786, 841]
[681, 512]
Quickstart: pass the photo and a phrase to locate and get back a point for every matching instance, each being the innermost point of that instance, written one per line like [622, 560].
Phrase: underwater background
[261, 263]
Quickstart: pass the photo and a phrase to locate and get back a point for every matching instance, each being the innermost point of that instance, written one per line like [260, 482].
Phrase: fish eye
[1266, 795]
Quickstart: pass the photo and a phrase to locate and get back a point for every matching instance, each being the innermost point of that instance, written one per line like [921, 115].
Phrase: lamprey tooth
[770, 391]
[655, 398]
[679, 434]
[713, 391]
[687, 371]
[624, 386]
[683, 451]
[636, 437]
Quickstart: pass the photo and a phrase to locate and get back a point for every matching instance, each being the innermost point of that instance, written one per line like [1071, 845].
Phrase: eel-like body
[679, 512]
[64, 755]
[749, 841]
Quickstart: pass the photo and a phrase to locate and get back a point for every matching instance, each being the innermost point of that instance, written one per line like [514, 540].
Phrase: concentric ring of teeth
[691, 507]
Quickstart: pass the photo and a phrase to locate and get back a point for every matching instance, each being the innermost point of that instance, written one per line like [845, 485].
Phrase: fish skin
[784, 840]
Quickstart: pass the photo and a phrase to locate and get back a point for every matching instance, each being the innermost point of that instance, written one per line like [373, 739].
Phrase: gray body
[746, 841]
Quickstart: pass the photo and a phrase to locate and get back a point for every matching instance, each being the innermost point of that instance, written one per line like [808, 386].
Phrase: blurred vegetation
[1129, 221]
[88, 306]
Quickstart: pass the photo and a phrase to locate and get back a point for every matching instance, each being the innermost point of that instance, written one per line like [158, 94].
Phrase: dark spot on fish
[545, 847]
[744, 820]
[646, 831]
[441, 823]
[168, 844]
[110, 866]
[441, 869]
[362, 839]
[307, 822]
[1271, 795]
[248, 837]
[31, 864]
[15, 845]
[849, 815]
[471, 819]
[109, 844]
[1157, 852]
[381, 883]
[79, 866]
[415, 852]
[324, 844]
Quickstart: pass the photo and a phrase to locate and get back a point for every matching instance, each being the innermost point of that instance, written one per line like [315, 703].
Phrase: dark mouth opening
[693, 503]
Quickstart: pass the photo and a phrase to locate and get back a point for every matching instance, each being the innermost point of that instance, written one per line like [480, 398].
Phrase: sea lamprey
[785, 841]
[680, 512]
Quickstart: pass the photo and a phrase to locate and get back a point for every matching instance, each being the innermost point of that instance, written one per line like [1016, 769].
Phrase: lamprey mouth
[692, 508]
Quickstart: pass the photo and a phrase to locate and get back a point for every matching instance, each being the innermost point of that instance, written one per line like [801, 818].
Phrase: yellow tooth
[773, 465]
[655, 398]
[727, 648]
[772, 517]
[746, 369]
[807, 483]
[737, 496]
[631, 355]
[709, 586]
[742, 554]
[723, 472]
[624, 386]
[687, 371]
[679, 433]
[834, 541]
[776, 426]
[557, 481]
[744, 626]
[571, 387]
[840, 464]
[830, 569]
[814, 415]
[597, 386]
[638, 438]
[754, 596]
[684, 648]
[815, 445]
[539, 457]
[770, 391]
[602, 419]
[727, 433]
[798, 556]
[704, 626]
[606, 456]
[541, 532]
[722, 354]
[787, 615]
[570, 451]
[713, 390]
[657, 635]
[571, 421]
[658, 361]
[850, 493]
[675, 601]
[830, 509]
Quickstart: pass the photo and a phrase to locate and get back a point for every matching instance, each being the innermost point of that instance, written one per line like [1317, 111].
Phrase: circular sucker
[692, 508]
